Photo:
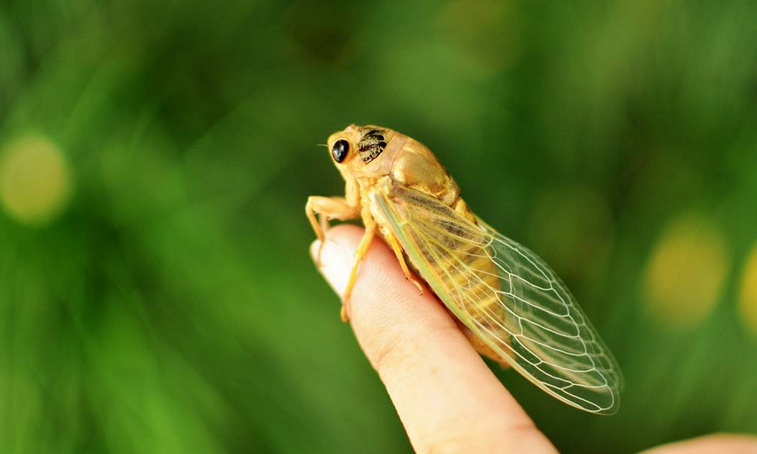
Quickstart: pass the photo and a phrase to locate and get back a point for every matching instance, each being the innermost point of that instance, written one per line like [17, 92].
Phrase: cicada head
[364, 150]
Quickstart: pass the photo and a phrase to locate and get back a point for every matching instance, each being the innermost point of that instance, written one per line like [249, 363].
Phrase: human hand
[446, 396]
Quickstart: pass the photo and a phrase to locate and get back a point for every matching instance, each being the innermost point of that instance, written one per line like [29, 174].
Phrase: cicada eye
[339, 150]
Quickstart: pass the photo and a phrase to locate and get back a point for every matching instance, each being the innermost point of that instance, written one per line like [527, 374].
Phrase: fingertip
[384, 305]
[336, 255]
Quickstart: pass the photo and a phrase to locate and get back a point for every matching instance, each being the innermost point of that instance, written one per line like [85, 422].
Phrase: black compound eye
[339, 150]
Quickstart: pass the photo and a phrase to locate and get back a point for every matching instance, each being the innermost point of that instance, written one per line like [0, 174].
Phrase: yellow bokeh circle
[748, 292]
[35, 180]
[686, 271]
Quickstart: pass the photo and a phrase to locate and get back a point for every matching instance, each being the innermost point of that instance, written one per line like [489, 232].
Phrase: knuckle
[388, 354]
[400, 350]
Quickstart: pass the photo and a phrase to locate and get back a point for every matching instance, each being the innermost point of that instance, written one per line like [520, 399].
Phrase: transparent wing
[507, 296]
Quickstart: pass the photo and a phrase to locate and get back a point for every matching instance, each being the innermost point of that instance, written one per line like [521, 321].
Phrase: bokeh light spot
[686, 271]
[35, 181]
[748, 292]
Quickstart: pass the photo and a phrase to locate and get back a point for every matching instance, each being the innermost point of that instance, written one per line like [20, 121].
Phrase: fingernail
[335, 264]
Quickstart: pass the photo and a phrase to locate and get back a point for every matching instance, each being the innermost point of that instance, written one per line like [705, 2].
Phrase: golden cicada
[513, 306]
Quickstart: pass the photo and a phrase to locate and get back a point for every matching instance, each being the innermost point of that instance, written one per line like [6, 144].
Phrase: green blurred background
[156, 293]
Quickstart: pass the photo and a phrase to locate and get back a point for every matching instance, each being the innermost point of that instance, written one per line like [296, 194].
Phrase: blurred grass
[169, 305]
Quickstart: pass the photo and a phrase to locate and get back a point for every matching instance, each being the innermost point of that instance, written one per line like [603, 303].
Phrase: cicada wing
[507, 296]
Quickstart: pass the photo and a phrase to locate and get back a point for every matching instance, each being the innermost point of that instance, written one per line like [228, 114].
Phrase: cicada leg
[362, 249]
[327, 208]
[395, 245]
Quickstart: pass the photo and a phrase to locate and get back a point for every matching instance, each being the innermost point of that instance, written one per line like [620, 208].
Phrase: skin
[444, 393]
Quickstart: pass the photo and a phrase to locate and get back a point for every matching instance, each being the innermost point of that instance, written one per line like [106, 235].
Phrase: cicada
[513, 307]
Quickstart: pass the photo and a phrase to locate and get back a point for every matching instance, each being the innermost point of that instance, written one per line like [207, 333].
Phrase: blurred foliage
[156, 294]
